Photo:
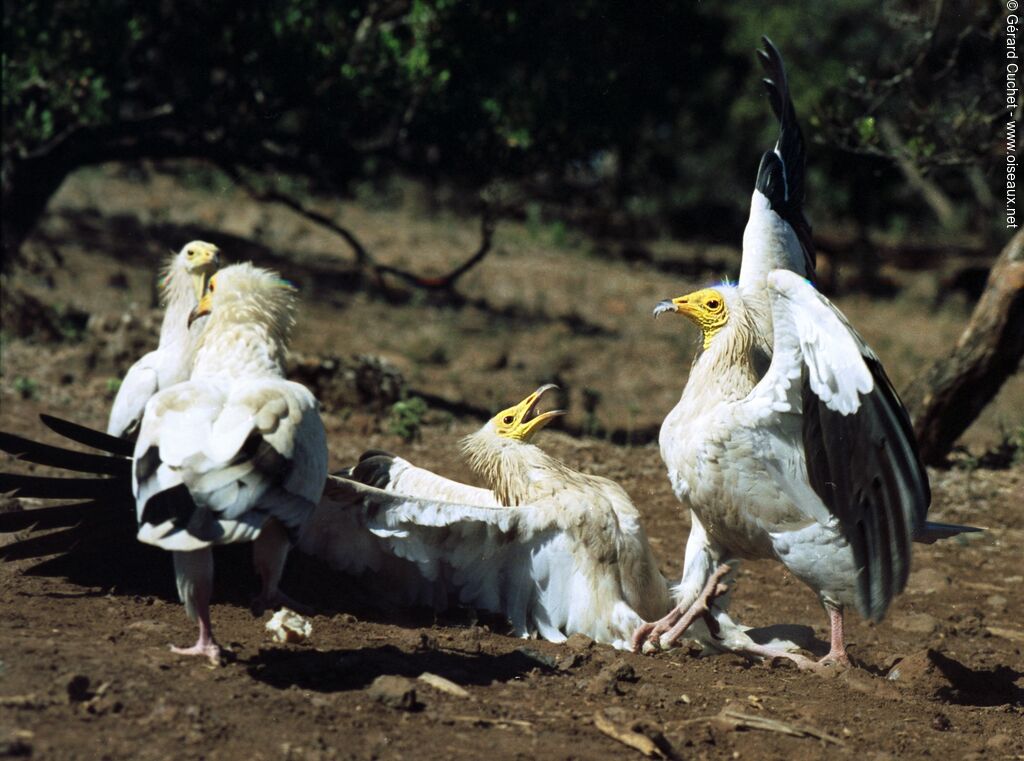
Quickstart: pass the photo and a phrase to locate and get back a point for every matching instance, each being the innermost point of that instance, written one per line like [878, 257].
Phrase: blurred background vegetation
[631, 120]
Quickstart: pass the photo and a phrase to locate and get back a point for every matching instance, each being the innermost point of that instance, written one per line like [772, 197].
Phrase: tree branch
[364, 259]
[947, 398]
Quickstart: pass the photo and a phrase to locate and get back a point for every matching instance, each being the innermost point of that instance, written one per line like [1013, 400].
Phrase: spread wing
[394, 474]
[212, 465]
[778, 235]
[525, 562]
[853, 454]
[140, 383]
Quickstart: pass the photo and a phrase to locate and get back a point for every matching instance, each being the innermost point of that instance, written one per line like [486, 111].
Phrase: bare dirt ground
[84, 667]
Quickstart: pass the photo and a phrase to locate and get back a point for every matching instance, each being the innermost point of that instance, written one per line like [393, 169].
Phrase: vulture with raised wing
[789, 441]
[183, 283]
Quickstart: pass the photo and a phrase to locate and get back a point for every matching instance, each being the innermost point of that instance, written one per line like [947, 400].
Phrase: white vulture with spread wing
[810, 459]
[554, 550]
[183, 284]
[236, 453]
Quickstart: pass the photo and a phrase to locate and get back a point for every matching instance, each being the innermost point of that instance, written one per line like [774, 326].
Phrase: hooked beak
[678, 305]
[532, 421]
[201, 309]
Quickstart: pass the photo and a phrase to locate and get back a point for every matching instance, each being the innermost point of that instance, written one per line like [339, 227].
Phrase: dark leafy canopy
[648, 109]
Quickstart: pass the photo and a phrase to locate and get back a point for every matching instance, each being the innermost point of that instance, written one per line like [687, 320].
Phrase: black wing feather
[866, 469]
[59, 516]
[69, 459]
[46, 487]
[782, 172]
[88, 436]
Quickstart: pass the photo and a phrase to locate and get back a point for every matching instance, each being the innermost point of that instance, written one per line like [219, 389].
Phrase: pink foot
[209, 649]
[655, 629]
[667, 631]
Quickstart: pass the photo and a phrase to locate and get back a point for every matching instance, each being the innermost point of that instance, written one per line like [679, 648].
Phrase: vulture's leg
[667, 631]
[837, 649]
[269, 553]
[193, 572]
[836, 656]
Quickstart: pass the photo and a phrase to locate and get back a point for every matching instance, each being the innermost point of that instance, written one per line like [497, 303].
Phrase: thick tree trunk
[947, 398]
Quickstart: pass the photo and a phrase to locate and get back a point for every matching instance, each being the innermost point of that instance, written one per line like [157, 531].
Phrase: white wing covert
[526, 562]
[212, 467]
[140, 383]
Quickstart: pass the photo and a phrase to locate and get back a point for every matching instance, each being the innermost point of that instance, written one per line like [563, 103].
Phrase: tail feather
[932, 532]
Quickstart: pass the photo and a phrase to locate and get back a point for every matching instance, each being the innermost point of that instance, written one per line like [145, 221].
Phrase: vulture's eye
[507, 420]
[190, 253]
[713, 304]
[211, 285]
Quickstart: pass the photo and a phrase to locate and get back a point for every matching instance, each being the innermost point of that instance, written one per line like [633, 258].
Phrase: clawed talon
[211, 650]
[664, 633]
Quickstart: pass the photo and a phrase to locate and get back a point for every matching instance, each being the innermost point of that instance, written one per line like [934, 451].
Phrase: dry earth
[85, 669]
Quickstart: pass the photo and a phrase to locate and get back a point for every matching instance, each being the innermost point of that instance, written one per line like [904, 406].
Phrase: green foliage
[406, 418]
[644, 116]
[26, 387]
[113, 386]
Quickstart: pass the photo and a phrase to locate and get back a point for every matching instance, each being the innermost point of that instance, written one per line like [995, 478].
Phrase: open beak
[530, 420]
[201, 309]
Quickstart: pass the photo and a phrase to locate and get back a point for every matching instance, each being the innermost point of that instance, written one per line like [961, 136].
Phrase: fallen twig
[442, 684]
[486, 721]
[736, 720]
[627, 736]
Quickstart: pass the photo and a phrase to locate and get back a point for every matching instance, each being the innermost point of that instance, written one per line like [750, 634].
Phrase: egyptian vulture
[183, 284]
[553, 550]
[789, 441]
[236, 453]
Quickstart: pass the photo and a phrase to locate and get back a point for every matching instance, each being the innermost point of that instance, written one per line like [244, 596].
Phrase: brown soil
[84, 667]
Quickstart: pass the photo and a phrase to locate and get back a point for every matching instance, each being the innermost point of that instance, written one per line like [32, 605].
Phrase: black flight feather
[89, 436]
[782, 172]
[45, 454]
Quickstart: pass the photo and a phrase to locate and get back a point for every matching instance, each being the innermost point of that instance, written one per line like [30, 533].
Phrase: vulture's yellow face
[202, 259]
[705, 307]
[523, 421]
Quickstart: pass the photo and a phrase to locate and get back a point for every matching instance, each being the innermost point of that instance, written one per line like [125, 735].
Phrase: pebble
[395, 692]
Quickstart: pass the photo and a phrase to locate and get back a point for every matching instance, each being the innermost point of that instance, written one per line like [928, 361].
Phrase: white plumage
[553, 550]
[183, 284]
[236, 453]
[810, 460]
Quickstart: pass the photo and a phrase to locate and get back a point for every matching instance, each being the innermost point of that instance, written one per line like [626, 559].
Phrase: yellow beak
[679, 305]
[201, 309]
[527, 420]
